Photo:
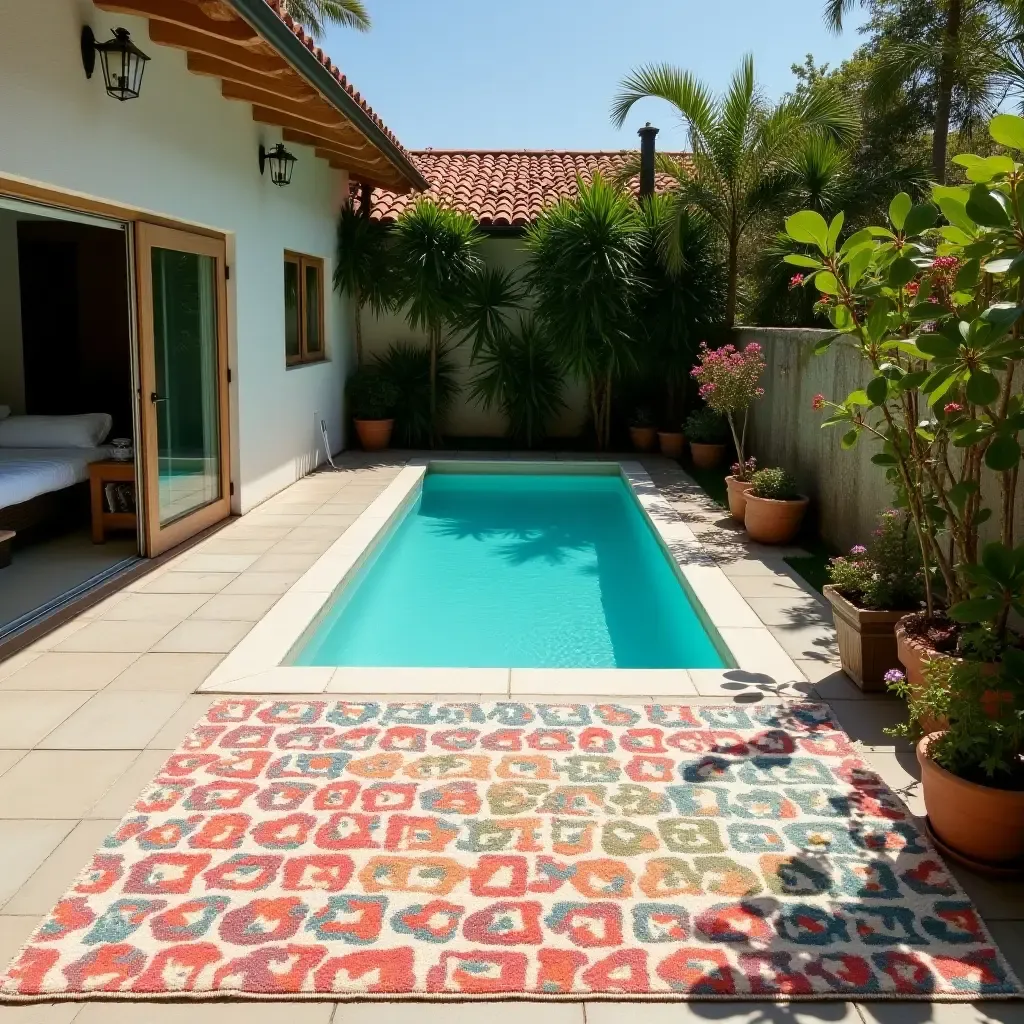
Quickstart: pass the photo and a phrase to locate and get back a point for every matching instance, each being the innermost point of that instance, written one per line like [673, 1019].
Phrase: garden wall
[467, 418]
[846, 489]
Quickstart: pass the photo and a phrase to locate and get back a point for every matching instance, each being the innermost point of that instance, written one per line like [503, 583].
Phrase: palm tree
[315, 14]
[363, 269]
[435, 258]
[968, 58]
[584, 264]
[741, 147]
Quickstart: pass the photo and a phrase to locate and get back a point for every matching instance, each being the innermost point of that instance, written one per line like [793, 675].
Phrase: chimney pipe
[647, 134]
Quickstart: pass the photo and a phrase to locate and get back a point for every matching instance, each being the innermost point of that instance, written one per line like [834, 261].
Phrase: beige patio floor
[89, 713]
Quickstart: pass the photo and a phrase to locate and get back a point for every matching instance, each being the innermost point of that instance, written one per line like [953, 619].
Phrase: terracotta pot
[671, 443]
[867, 640]
[374, 435]
[913, 654]
[644, 438]
[978, 822]
[707, 456]
[737, 491]
[773, 522]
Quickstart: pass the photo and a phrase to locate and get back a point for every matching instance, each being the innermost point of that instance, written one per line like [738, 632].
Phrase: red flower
[952, 408]
[796, 280]
[913, 288]
[818, 403]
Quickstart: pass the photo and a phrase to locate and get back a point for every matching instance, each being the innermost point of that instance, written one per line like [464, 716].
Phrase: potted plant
[870, 590]
[372, 398]
[671, 443]
[972, 770]
[708, 433]
[729, 381]
[774, 507]
[642, 430]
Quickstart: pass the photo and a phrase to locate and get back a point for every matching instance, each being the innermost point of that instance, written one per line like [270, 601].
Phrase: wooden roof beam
[186, 15]
[264, 63]
[288, 86]
[364, 151]
[376, 176]
[271, 115]
[313, 111]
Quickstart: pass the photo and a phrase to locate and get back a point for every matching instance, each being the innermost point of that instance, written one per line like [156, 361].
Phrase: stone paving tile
[121, 796]
[40, 1013]
[261, 583]
[14, 933]
[52, 670]
[865, 720]
[942, 1013]
[901, 773]
[106, 635]
[26, 716]
[239, 607]
[115, 720]
[180, 724]
[995, 899]
[203, 636]
[167, 671]
[460, 1013]
[26, 844]
[9, 758]
[187, 582]
[189, 1012]
[156, 606]
[738, 1012]
[60, 783]
[1009, 937]
[55, 875]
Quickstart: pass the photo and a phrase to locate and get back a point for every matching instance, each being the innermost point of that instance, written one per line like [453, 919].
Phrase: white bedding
[28, 472]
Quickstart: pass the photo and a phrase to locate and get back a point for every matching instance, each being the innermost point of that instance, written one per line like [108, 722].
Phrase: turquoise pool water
[521, 571]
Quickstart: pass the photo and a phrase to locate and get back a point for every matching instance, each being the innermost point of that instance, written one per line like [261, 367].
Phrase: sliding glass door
[183, 374]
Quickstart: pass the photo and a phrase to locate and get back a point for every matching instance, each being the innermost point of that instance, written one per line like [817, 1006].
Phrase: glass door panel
[184, 383]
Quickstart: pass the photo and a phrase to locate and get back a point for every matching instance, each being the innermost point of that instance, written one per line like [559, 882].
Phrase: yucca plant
[741, 148]
[521, 375]
[363, 269]
[585, 259]
[418, 406]
[490, 298]
[435, 253]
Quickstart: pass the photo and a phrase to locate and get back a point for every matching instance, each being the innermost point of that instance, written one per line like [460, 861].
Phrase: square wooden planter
[867, 641]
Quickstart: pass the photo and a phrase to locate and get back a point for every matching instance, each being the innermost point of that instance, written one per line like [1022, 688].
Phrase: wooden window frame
[304, 356]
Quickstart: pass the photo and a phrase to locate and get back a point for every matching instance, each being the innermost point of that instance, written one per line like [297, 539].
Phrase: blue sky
[540, 74]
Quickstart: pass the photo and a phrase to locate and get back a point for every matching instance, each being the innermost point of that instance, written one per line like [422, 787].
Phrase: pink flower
[818, 403]
[796, 280]
[858, 549]
[913, 288]
[952, 408]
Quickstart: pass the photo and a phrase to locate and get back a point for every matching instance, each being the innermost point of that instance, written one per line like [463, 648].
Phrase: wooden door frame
[158, 539]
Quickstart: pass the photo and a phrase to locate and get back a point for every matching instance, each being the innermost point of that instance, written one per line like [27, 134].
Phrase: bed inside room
[67, 489]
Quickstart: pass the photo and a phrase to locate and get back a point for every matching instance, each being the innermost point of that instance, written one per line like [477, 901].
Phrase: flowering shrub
[774, 483]
[729, 381]
[885, 575]
[744, 470]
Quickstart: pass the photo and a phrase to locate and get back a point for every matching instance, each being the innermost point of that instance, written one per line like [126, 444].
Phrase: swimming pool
[521, 570]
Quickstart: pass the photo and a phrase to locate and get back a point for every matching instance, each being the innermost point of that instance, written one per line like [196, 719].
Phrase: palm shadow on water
[606, 542]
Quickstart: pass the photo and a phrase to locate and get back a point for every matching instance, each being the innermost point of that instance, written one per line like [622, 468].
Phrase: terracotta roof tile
[504, 187]
[307, 40]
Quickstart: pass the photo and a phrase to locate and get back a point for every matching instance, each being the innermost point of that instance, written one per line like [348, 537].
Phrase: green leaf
[799, 260]
[1002, 314]
[900, 206]
[1007, 130]
[822, 344]
[841, 317]
[859, 262]
[999, 561]
[849, 439]
[884, 459]
[920, 218]
[959, 493]
[967, 275]
[809, 227]
[983, 516]
[985, 209]
[982, 388]
[921, 311]
[978, 609]
[901, 271]
[858, 398]
[1003, 453]
[878, 319]
[826, 283]
[937, 345]
[857, 239]
[973, 432]
[877, 390]
[914, 379]
[833, 230]
[955, 211]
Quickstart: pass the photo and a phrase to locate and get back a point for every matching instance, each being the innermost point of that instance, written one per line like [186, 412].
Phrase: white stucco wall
[467, 418]
[183, 151]
[12, 362]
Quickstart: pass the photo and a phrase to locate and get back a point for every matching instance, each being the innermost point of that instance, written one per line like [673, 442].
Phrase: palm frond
[363, 268]
[690, 96]
[492, 294]
[313, 15]
[834, 11]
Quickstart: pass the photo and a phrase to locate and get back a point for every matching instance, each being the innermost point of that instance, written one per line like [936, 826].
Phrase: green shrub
[371, 395]
[407, 366]
[774, 483]
[642, 417]
[705, 426]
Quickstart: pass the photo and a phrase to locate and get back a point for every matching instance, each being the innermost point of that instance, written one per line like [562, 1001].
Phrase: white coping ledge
[259, 663]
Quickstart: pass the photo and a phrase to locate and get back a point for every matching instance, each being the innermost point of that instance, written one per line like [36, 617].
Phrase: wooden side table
[101, 473]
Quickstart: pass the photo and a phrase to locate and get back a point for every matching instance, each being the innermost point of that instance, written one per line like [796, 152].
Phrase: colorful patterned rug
[320, 849]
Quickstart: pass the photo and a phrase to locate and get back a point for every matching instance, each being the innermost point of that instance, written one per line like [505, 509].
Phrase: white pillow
[86, 430]
[5, 411]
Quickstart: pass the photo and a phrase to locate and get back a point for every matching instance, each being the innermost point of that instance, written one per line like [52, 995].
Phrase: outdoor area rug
[323, 849]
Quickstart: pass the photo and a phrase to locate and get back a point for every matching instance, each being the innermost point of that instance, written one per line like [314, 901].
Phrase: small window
[303, 309]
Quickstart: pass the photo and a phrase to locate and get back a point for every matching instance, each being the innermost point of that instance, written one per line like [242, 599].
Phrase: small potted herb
[729, 381]
[372, 398]
[870, 590]
[642, 430]
[708, 432]
[774, 507]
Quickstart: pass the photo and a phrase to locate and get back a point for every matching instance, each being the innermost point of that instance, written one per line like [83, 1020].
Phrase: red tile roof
[505, 187]
[307, 40]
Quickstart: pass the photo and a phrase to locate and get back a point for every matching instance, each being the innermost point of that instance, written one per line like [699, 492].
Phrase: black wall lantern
[123, 63]
[281, 164]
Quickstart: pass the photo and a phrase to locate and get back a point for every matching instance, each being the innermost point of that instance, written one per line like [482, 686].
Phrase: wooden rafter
[187, 15]
[310, 109]
[284, 85]
[356, 151]
[266, 63]
[327, 135]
